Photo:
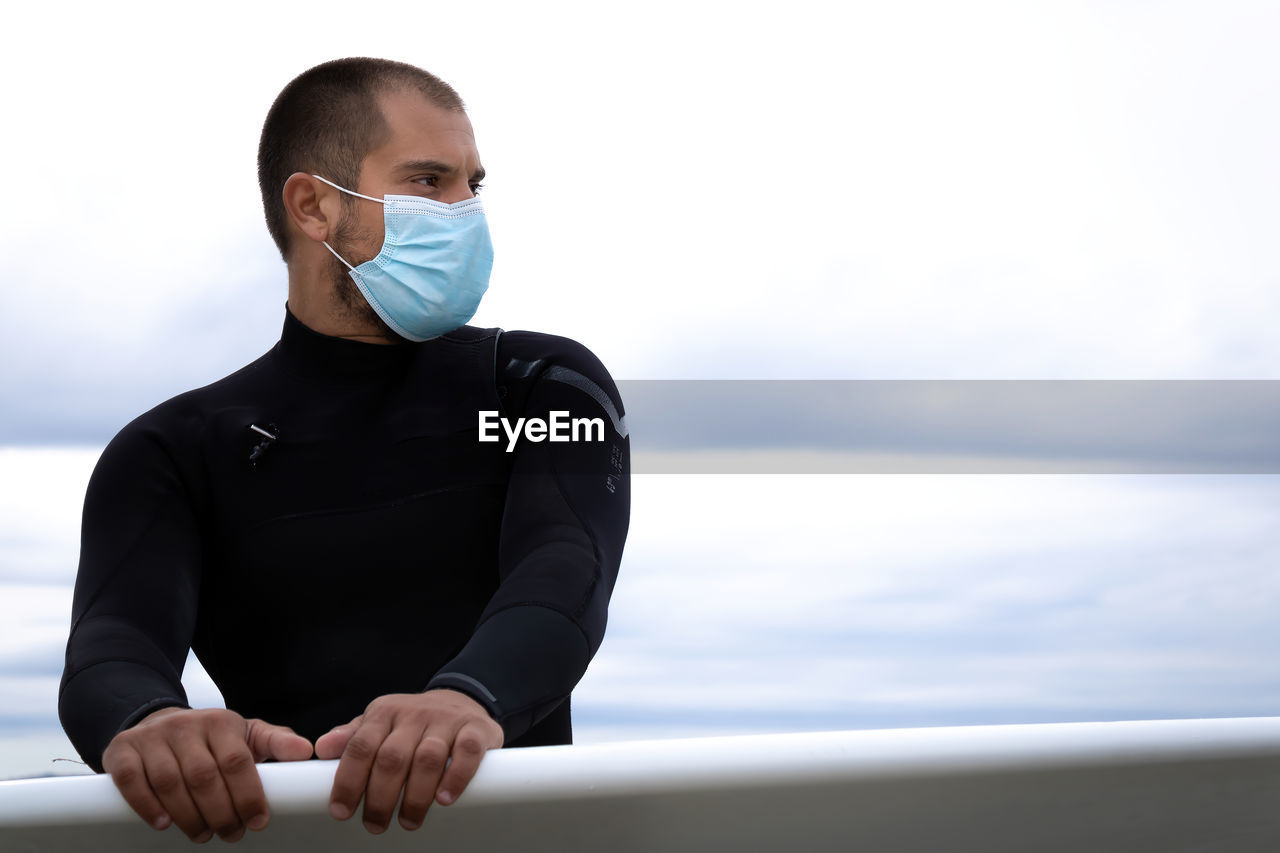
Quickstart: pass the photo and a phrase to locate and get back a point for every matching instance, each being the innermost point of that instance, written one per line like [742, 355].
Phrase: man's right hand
[196, 768]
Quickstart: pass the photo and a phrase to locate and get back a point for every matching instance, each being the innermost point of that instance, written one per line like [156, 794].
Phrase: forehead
[420, 130]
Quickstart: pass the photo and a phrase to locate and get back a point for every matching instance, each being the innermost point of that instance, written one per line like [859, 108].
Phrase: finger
[164, 775]
[204, 781]
[239, 774]
[331, 744]
[353, 770]
[469, 749]
[279, 742]
[390, 769]
[429, 759]
[130, 777]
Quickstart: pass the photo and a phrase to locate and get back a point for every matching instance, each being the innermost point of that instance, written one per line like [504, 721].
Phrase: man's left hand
[402, 742]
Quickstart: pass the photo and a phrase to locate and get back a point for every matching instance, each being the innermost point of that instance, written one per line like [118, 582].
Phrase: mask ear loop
[348, 192]
[339, 257]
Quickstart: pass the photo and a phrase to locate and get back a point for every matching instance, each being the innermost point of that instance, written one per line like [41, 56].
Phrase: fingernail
[203, 837]
[258, 822]
[444, 797]
[374, 828]
[339, 811]
[410, 824]
[161, 822]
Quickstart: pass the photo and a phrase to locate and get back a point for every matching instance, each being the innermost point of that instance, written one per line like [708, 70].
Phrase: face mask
[433, 268]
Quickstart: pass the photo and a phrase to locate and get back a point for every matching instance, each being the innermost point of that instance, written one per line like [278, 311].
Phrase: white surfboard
[1168, 785]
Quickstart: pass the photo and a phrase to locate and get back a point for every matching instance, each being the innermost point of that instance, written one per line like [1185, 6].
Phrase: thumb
[333, 742]
[279, 742]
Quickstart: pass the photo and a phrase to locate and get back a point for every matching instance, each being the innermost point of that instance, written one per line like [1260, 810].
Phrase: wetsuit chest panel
[361, 547]
[360, 555]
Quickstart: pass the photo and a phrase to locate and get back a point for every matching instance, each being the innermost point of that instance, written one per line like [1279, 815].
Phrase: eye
[427, 180]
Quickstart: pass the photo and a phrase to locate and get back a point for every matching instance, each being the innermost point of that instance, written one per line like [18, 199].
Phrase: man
[360, 565]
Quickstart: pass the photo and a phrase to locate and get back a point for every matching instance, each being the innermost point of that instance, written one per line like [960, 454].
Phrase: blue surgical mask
[433, 268]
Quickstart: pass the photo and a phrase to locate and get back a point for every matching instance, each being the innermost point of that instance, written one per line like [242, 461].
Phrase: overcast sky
[722, 191]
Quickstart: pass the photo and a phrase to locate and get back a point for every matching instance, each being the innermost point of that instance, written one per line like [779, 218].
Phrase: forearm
[98, 702]
[133, 611]
[548, 617]
[564, 526]
[520, 665]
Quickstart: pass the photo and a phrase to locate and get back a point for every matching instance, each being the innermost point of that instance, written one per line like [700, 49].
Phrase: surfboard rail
[1167, 785]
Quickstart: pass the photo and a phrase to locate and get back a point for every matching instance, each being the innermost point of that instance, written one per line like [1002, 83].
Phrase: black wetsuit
[375, 546]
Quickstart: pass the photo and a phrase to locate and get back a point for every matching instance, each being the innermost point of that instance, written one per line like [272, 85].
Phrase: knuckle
[469, 745]
[165, 782]
[236, 762]
[179, 722]
[202, 775]
[429, 756]
[361, 749]
[220, 723]
[128, 773]
[391, 758]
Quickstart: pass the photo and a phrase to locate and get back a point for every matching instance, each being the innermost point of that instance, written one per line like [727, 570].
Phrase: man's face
[429, 152]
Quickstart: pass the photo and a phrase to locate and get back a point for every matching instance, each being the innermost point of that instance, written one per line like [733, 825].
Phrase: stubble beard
[348, 303]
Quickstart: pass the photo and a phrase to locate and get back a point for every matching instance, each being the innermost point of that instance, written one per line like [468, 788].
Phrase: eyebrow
[437, 166]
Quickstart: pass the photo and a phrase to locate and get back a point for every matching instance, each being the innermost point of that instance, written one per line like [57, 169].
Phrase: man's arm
[564, 527]
[121, 700]
[136, 592]
[563, 532]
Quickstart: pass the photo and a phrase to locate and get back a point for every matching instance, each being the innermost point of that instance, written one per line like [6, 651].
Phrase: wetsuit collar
[310, 353]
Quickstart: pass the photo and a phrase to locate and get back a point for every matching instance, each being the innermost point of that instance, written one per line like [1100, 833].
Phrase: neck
[315, 302]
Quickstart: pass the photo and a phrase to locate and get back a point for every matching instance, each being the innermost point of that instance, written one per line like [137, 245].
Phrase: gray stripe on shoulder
[582, 383]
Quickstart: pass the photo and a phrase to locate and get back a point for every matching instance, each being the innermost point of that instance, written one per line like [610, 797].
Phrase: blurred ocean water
[771, 603]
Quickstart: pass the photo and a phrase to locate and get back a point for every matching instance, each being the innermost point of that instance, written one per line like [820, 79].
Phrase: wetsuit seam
[497, 375]
[110, 576]
[536, 704]
[564, 495]
[544, 605]
[317, 513]
[485, 333]
[355, 381]
[590, 589]
[136, 715]
[186, 493]
[139, 662]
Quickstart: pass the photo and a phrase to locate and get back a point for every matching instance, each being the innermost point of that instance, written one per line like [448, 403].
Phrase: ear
[312, 205]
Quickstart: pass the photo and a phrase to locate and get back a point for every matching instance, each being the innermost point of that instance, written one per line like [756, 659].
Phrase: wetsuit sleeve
[134, 607]
[564, 526]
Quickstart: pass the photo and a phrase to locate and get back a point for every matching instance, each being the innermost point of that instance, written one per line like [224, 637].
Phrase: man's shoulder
[524, 353]
[525, 358]
[186, 413]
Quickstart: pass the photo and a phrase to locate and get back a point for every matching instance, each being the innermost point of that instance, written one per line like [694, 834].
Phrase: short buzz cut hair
[327, 120]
